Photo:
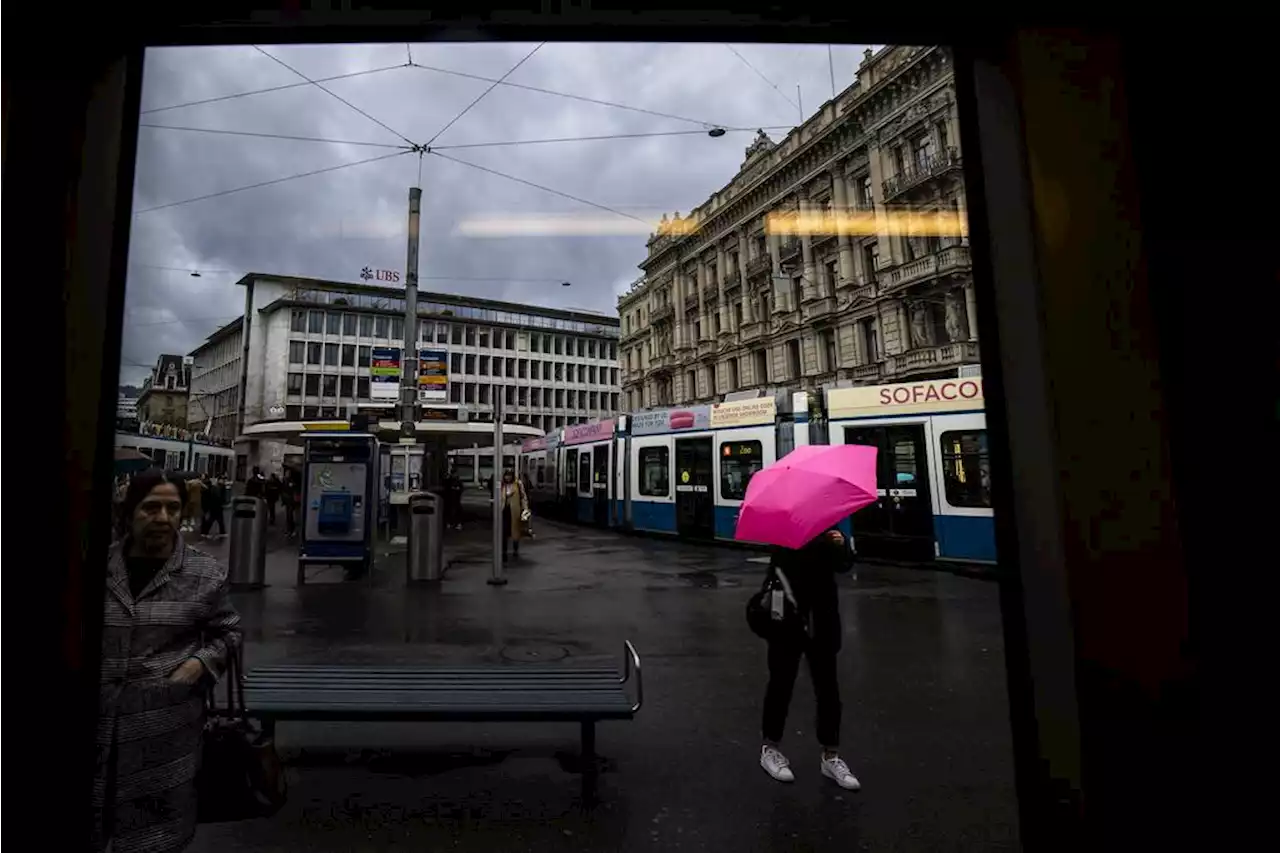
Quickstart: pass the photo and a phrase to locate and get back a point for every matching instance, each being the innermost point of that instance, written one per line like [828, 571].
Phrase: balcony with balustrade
[663, 312]
[919, 172]
[931, 358]
[952, 259]
[817, 308]
[758, 266]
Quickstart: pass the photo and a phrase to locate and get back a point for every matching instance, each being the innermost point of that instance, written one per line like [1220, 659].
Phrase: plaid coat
[149, 729]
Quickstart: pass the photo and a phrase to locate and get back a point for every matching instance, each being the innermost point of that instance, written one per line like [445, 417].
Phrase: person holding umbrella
[794, 505]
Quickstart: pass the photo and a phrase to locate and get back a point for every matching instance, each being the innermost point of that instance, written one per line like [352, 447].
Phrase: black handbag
[761, 618]
[241, 776]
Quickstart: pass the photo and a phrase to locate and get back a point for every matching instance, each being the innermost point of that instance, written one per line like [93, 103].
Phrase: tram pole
[496, 577]
[409, 358]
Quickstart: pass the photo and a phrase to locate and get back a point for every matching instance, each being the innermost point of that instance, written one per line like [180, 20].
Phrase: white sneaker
[835, 768]
[776, 764]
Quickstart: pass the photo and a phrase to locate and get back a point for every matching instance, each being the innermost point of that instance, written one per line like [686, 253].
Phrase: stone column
[904, 324]
[748, 316]
[859, 353]
[971, 311]
[722, 304]
[701, 284]
[806, 251]
[677, 305]
[888, 243]
[771, 241]
[840, 192]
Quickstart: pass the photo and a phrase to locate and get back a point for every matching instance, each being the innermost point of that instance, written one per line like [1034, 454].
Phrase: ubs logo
[370, 274]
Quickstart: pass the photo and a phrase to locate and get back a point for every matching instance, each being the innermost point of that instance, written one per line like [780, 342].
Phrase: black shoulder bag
[761, 618]
[240, 776]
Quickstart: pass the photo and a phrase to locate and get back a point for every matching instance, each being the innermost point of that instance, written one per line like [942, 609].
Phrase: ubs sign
[371, 274]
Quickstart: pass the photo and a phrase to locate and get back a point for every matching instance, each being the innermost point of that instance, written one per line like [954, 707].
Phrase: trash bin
[248, 559]
[426, 537]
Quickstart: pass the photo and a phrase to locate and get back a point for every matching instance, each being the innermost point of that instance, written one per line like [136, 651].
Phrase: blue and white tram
[934, 475]
[539, 464]
[686, 470]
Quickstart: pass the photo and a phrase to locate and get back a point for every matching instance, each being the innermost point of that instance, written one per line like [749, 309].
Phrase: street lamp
[715, 132]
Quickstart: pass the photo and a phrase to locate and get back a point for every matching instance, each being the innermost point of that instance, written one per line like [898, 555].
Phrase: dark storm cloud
[332, 224]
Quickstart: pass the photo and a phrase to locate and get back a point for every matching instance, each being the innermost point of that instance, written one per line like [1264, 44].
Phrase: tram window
[655, 472]
[739, 460]
[584, 472]
[966, 471]
[904, 464]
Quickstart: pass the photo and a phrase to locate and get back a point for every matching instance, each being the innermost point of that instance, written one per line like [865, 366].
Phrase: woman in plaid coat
[168, 626]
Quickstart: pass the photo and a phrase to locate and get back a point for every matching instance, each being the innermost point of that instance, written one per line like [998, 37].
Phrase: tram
[684, 471]
[172, 453]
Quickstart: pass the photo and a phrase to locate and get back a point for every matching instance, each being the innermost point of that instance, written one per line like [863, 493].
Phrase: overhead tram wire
[333, 94]
[271, 182]
[481, 96]
[583, 98]
[270, 89]
[435, 148]
[541, 187]
[261, 135]
[760, 74]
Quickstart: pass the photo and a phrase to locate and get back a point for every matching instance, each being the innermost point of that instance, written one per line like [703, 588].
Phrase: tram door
[569, 486]
[900, 524]
[600, 484]
[695, 510]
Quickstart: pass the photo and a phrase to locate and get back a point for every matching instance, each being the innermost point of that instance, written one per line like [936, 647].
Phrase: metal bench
[504, 693]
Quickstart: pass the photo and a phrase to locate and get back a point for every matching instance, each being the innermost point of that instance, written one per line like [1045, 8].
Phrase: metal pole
[409, 358]
[496, 577]
[831, 66]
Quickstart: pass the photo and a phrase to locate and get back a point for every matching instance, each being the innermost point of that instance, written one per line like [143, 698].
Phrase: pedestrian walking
[271, 491]
[808, 598]
[192, 516]
[168, 627]
[453, 500]
[515, 512]
[214, 509]
[289, 497]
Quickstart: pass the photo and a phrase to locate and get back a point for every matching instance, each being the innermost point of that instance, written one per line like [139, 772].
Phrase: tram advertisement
[939, 395]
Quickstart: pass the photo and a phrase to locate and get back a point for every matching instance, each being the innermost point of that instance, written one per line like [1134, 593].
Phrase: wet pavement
[922, 677]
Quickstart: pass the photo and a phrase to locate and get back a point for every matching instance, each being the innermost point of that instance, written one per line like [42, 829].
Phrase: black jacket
[812, 571]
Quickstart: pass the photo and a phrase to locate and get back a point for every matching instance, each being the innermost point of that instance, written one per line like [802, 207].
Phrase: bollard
[425, 560]
[247, 563]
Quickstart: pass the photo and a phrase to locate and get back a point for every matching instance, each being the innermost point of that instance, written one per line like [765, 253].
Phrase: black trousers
[212, 517]
[784, 663]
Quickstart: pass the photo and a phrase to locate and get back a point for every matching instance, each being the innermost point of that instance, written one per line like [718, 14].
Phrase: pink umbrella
[806, 492]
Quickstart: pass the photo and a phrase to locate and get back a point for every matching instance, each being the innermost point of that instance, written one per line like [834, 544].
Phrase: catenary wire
[480, 97]
[270, 89]
[761, 76]
[277, 136]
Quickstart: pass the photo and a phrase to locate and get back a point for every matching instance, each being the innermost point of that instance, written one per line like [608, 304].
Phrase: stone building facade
[836, 256]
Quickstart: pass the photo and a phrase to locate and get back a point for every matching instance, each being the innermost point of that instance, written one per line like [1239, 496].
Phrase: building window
[297, 320]
[308, 413]
[797, 291]
[559, 398]
[397, 328]
[470, 389]
[712, 380]
[442, 333]
[297, 352]
[346, 386]
[329, 386]
[484, 394]
[511, 367]
[484, 365]
[613, 402]
[582, 373]
[295, 383]
[691, 384]
[313, 353]
[362, 387]
[870, 259]
[471, 336]
[328, 412]
[733, 376]
[966, 472]
[455, 392]
[471, 364]
[293, 413]
[533, 343]
[511, 340]
[457, 335]
[455, 362]
[315, 322]
[922, 151]
[524, 368]
[349, 325]
[655, 472]
[362, 356]
[348, 355]
[331, 355]
[381, 327]
[830, 357]
[559, 345]
[739, 460]
[332, 323]
[793, 359]
[510, 395]
[870, 340]
[313, 384]
[366, 325]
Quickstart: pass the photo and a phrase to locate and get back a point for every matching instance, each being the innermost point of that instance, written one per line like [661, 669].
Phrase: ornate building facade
[836, 256]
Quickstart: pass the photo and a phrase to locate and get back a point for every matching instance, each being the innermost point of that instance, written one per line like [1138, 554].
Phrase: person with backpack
[798, 613]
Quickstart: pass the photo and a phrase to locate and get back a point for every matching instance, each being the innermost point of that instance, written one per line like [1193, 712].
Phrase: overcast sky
[331, 225]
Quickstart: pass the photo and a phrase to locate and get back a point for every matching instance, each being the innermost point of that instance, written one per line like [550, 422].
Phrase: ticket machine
[339, 501]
